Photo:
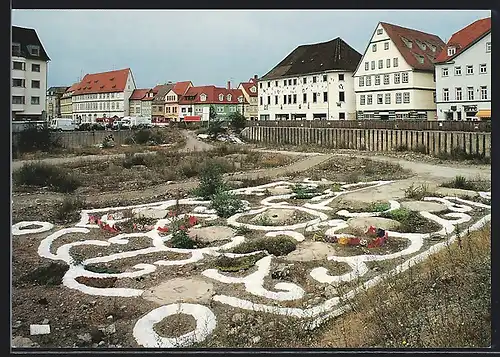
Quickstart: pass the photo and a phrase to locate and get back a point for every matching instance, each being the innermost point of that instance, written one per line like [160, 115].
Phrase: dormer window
[420, 59]
[433, 48]
[380, 31]
[203, 97]
[229, 97]
[16, 49]
[240, 99]
[112, 79]
[407, 42]
[96, 81]
[253, 89]
[451, 51]
[34, 50]
[488, 46]
[221, 97]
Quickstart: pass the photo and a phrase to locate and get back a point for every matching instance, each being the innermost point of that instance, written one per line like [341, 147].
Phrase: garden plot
[185, 276]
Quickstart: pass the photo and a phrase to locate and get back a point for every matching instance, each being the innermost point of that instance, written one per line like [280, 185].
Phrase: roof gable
[104, 82]
[26, 37]
[465, 38]
[181, 87]
[416, 47]
[332, 55]
[138, 94]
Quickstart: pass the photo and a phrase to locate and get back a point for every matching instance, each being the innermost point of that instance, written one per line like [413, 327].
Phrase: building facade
[172, 99]
[29, 75]
[103, 95]
[67, 102]
[53, 101]
[314, 82]
[249, 90]
[195, 104]
[158, 103]
[395, 78]
[463, 74]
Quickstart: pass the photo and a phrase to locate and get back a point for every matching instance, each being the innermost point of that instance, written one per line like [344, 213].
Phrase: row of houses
[402, 74]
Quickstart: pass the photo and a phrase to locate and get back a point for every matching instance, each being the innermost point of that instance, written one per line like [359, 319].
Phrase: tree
[237, 121]
[213, 114]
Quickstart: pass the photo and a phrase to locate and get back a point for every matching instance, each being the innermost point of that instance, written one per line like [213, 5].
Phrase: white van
[62, 124]
[130, 122]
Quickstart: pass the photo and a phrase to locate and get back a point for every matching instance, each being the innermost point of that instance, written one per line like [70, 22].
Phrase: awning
[192, 118]
[484, 114]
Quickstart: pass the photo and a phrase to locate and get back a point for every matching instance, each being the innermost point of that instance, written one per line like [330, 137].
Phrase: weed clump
[69, 209]
[43, 175]
[460, 182]
[226, 264]
[211, 180]
[277, 246]
[411, 221]
[304, 192]
[417, 192]
[226, 204]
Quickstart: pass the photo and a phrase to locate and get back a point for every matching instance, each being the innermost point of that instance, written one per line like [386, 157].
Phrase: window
[203, 97]
[284, 82]
[100, 106]
[275, 100]
[268, 84]
[17, 82]
[394, 62]
[304, 80]
[361, 81]
[406, 97]
[470, 93]
[260, 85]
[386, 45]
[451, 51]
[446, 95]
[387, 98]
[220, 109]
[380, 64]
[458, 71]
[35, 100]
[268, 100]
[374, 47]
[16, 49]
[275, 84]
[397, 78]
[260, 100]
[388, 63]
[377, 80]
[112, 105]
[341, 96]
[314, 97]
[295, 81]
[304, 98]
[341, 76]
[434, 97]
[290, 82]
[221, 97]
[314, 79]
[469, 69]
[484, 92]
[34, 50]
[444, 72]
[233, 108]
[369, 99]
[379, 31]
[362, 99]
[488, 46]
[342, 116]
[21, 66]
[368, 80]
[325, 77]
[405, 77]
[373, 65]
[458, 93]
[398, 98]
[17, 99]
[380, 99]
[367, 66]
[35, 84]
[386, 79]
[35, 67]
[482, 68]
[284, 99]
[295, 99]
[289, 99]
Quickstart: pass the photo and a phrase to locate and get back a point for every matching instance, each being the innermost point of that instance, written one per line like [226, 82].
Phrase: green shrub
[34, 139]
[180, 239]
[42, 175]
[132, 159]
[226, 264]
[304, 192]
[211, 180]
[460, 182]
[70, 208]
[277, 246]
[417, 192]
[411, 221]
[226, 204]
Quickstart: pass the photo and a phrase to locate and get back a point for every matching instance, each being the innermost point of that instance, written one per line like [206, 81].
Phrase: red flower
[192, 220]
[163, 229]
[182, 228]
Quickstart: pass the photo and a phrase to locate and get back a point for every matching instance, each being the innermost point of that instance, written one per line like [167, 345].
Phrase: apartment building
[140, 102]
[29, 75]
[53, 101]
[313, 82]
[67, 102]
[395, 78]
[172, 99]
[103, 95]
[463, 74]
[158, 103]
[249, 90]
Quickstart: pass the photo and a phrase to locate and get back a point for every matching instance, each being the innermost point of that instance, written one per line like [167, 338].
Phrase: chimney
[228, 84]
[255, 77]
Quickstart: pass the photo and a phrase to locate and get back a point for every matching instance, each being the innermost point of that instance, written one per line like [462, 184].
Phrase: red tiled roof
[398, 36]
[181, 87]
[105, 82]
[465, 38]
[138, 94]
[212, 93]
[72, 88]
[247, 85]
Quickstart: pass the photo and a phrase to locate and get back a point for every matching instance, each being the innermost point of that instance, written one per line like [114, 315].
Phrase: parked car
[117, 124]
[62, 124]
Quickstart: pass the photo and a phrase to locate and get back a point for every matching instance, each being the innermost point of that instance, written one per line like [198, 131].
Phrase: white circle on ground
[17, 229]
[146, 336]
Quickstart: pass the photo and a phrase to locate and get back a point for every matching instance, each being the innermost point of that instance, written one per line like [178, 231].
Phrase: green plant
[304, 192]
[402, 148]
[133, 159]
[277, 246]
[70, 208]
[42, 175]
[263, 221]
[226, 264]
[237, 121]
[181, 239]
[460, 182]
[417, 192]
[226, 203]
[411, 221]
[420, 148]
[33, 139]
[379, 206]
[211, 180]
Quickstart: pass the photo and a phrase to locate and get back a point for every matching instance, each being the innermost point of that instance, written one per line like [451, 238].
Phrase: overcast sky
[206, 47]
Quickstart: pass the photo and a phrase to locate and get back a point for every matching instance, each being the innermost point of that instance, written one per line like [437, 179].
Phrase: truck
[131, 122]
[62, 124]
